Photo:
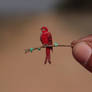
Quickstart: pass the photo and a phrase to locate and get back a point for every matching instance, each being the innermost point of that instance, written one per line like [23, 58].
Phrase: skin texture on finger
[82, 51]
[89, 64]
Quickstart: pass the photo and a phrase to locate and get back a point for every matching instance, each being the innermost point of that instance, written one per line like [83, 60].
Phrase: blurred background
[20, 23]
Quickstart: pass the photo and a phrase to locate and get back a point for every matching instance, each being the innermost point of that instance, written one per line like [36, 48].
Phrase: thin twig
[44, 46]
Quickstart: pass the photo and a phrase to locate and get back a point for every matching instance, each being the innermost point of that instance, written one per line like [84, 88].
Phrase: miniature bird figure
[46, 39]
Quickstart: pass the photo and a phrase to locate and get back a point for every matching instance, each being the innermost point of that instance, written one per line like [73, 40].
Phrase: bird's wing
[50, 39]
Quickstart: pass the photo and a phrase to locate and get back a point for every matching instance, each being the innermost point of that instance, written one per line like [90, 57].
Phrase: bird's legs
[49, 61]
[45, 60]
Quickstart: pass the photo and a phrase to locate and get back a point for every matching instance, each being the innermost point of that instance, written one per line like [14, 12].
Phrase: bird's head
[44, 29]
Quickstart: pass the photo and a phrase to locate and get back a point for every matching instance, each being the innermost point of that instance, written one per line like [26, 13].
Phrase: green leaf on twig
[31, 50]
[39, 49]
[55, 44]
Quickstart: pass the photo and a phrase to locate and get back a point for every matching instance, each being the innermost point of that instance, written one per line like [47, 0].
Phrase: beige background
[27, 73]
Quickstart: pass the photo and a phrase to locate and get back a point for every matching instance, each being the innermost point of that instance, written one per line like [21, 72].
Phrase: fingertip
[82, 52]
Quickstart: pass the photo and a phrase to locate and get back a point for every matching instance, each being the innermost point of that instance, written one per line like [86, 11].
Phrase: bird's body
[46, 39]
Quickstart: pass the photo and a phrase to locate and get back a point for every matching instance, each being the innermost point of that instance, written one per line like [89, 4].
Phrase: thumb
[82, 52]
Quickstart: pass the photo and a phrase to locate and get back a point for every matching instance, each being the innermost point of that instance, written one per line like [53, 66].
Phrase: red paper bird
[46, 39]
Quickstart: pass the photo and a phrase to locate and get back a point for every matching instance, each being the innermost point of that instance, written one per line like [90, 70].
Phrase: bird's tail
[48, 56]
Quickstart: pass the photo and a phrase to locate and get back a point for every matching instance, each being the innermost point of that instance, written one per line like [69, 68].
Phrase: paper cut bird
[46, 39]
